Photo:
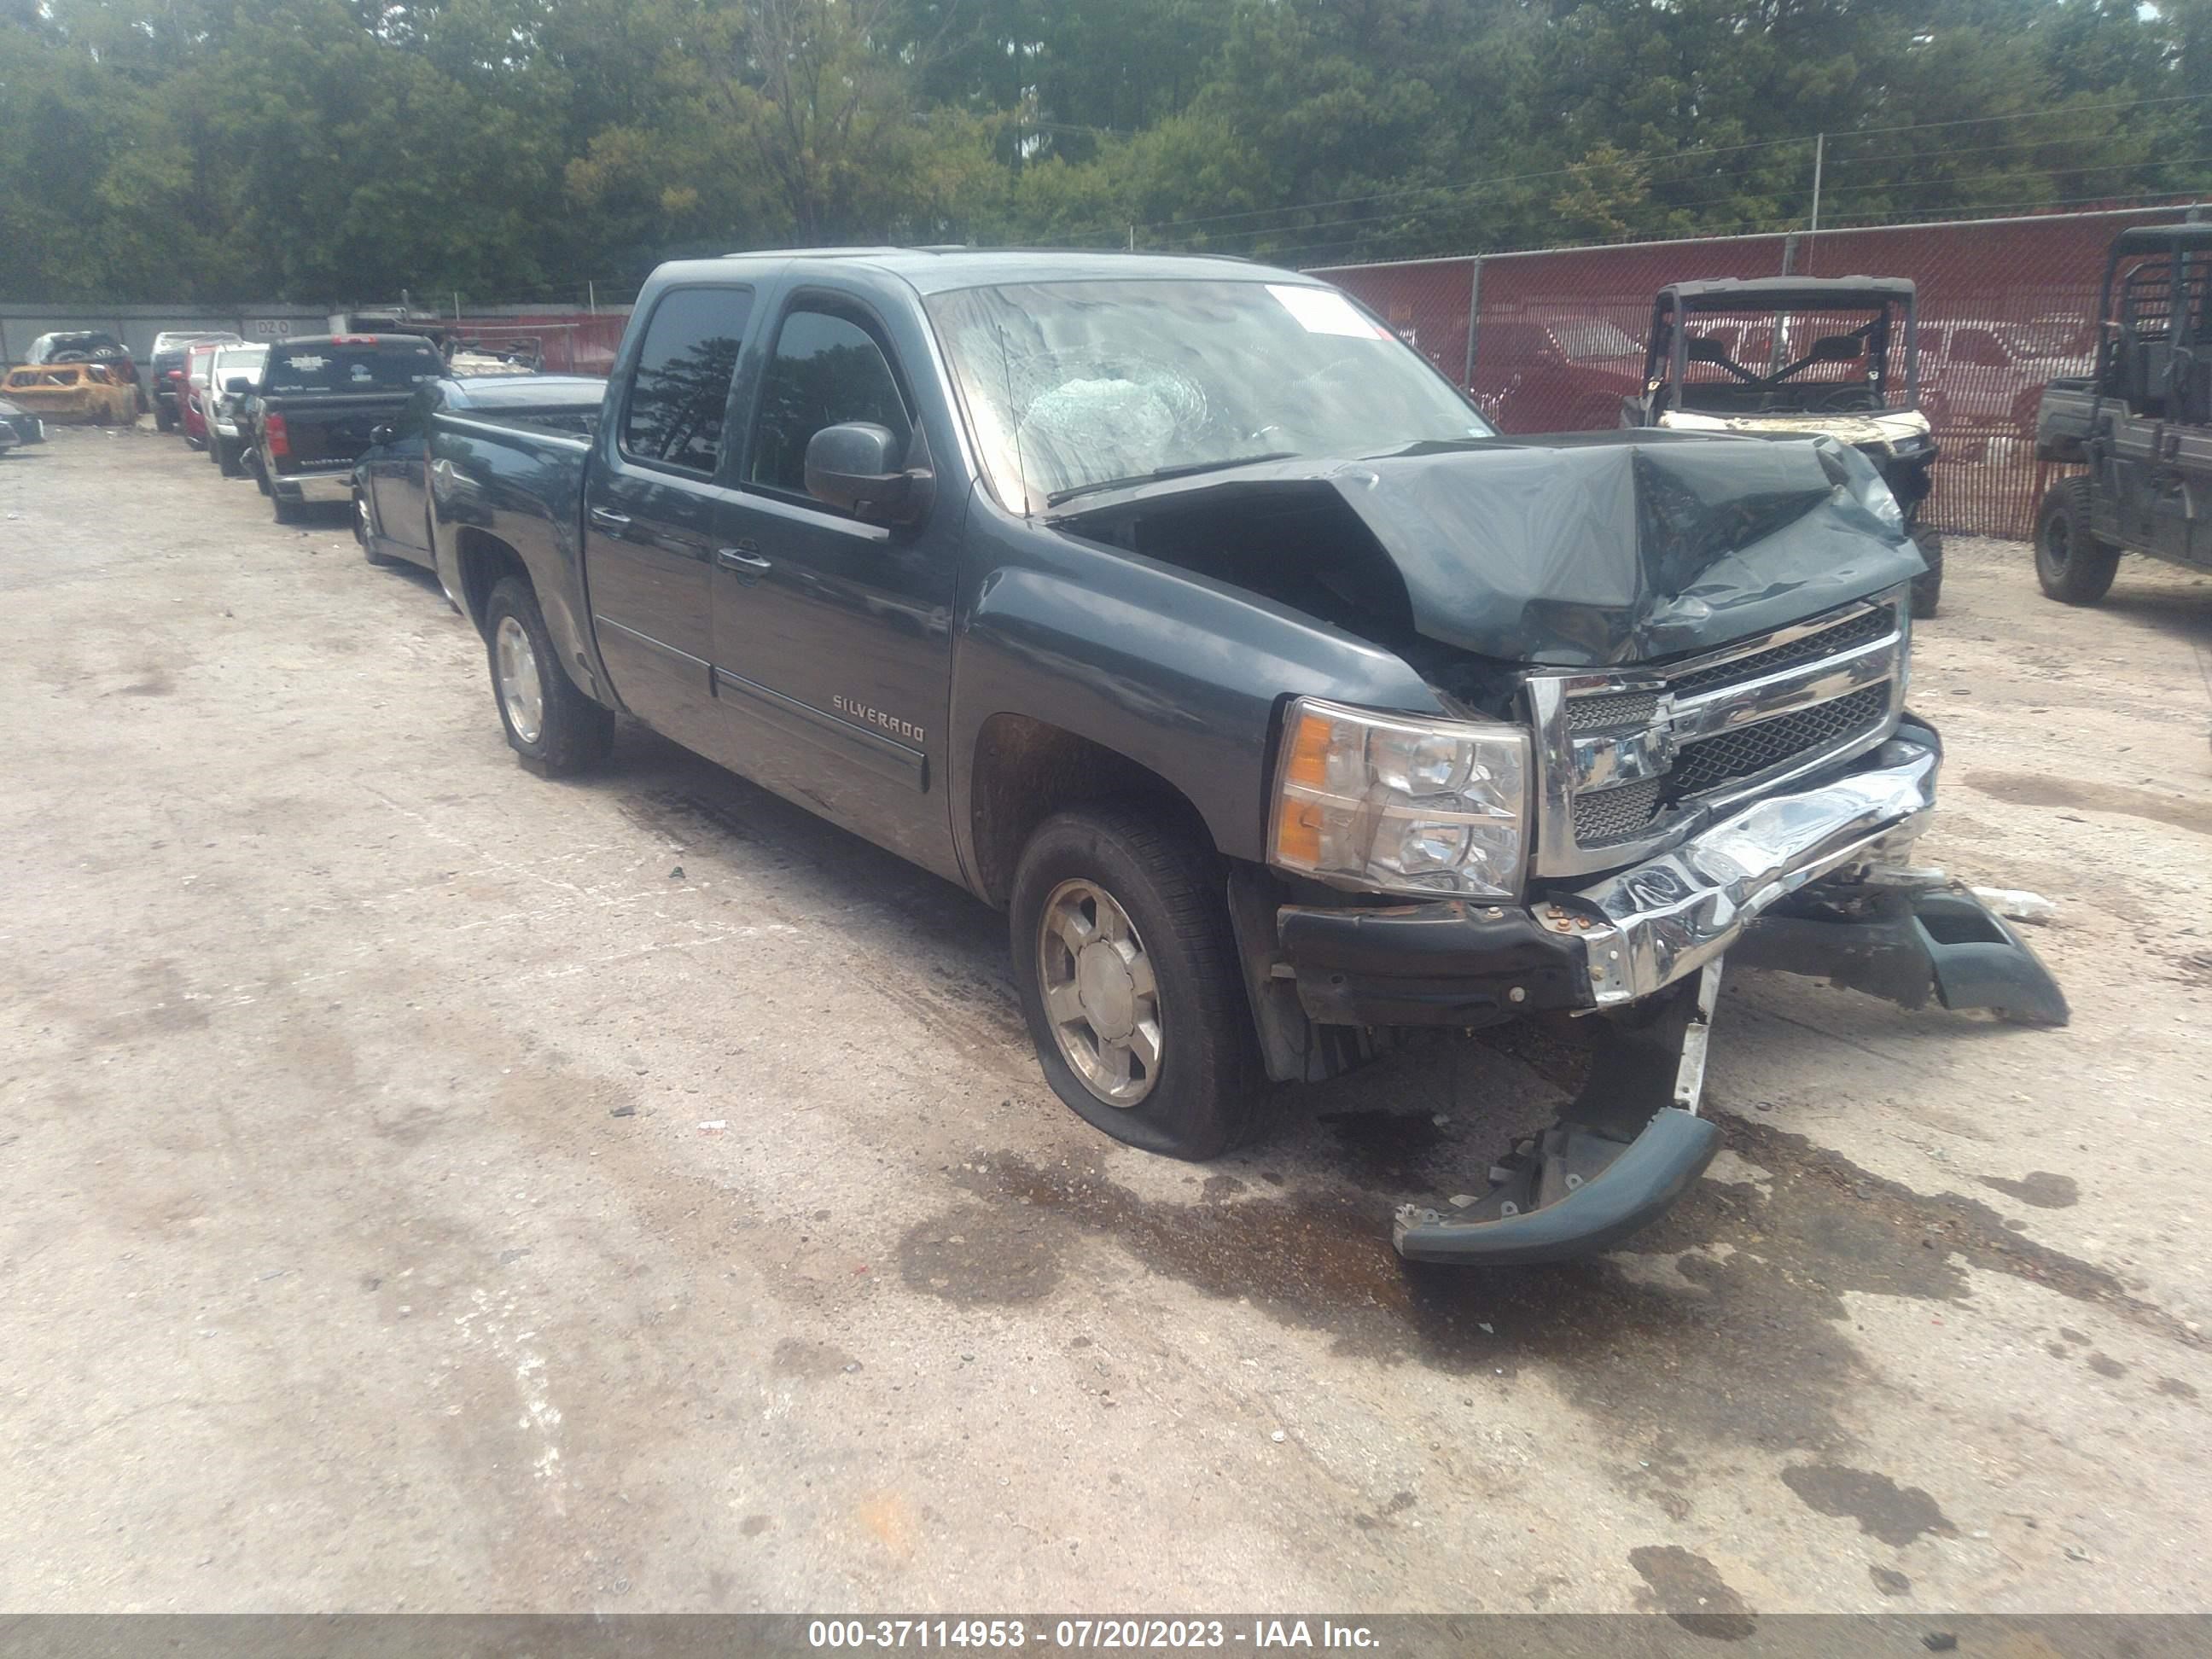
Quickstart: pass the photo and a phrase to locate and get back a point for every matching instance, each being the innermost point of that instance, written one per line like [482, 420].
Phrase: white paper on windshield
[1324, 311]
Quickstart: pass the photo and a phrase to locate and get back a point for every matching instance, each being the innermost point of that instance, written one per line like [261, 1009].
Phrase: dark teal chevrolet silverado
[1176, 608]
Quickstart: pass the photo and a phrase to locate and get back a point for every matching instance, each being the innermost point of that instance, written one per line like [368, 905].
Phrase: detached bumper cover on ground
[1813, 882]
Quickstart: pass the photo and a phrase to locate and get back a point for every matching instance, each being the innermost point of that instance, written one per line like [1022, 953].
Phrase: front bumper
[1622, 939]
[1811, 882]
[1648, 926]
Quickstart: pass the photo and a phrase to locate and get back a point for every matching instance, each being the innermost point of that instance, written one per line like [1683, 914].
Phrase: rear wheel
[164, 420]
[1128, 977]
[287, 510]
[2073, 567]
[551, 726]
[227, 458]
[1928, 587]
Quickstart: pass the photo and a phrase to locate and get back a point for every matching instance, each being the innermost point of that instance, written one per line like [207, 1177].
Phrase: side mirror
[857, 466]
[238, 385]
[380, 432]
[1703, 348]
[1837, 348]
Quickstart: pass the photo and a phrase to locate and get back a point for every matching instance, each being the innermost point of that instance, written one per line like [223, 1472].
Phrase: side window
[674, 414]
[827, 370]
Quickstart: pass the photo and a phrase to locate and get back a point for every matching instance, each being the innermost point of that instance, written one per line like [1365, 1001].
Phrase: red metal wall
[1558, 336]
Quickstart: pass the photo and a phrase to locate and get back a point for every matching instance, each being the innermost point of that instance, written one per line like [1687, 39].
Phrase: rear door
[832, 638]
[649, 513]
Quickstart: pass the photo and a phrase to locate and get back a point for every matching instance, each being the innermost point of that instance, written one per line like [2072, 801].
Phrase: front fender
[1180, 674]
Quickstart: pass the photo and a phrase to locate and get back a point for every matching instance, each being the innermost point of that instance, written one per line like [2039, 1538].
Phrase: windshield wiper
[1181, 470]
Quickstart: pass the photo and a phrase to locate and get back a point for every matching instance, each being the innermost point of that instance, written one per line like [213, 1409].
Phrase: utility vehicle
[2139, 425]
[1797, 356]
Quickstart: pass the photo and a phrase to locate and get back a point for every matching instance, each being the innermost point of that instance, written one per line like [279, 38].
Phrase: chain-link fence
[1556, 340]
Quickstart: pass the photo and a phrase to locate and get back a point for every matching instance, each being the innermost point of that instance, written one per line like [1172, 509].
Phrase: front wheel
[2073, 567]
[1128, 977]
[1928, 587]
[552, 725]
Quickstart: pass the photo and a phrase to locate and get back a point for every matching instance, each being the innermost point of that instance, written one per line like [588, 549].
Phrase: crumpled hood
[1604, 548]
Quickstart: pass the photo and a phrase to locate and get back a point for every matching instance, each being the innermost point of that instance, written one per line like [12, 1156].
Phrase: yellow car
[67, 393]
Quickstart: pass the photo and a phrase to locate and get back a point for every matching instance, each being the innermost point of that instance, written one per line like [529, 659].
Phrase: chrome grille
[1612, 815]
[1862, 630]
[1601, 713]
[1752, 748]
[1634, 757]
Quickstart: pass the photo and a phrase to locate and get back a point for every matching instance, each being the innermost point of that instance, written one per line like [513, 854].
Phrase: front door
[649, 515]
[394, 476]
[833, 637]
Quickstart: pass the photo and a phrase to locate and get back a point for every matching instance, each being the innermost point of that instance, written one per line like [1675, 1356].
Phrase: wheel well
[485, 560]
[1026, 770]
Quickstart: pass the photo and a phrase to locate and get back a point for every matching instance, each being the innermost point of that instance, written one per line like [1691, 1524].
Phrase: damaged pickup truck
[1176, 608]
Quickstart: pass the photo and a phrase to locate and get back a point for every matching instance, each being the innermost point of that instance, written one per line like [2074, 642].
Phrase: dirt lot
[431, 1187]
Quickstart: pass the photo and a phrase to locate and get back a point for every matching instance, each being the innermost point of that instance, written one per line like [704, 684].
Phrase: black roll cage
[1777, 297]
[2178, 242]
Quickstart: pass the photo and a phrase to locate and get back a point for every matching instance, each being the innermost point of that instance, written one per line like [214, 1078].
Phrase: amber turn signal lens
[1309, 763]
[1297, 834]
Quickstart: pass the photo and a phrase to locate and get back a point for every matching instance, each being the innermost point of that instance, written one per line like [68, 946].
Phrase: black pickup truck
[316, 405]
[1177, 608]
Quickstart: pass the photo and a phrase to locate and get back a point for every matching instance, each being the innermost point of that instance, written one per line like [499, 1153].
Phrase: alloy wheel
[1101, 995]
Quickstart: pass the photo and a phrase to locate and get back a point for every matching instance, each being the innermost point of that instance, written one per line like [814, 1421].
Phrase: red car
[1557, 373]
[192, 394]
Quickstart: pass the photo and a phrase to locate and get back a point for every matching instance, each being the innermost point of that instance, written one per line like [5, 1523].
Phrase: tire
[287, 510]
[163, 420]
[362, 532]
[260, 472]
[1204, 1091]
[571, 734]
[1928, 588]
[2073, 566]
[227, 458]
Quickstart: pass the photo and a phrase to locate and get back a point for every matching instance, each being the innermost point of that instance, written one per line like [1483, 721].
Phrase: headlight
[1400, 806]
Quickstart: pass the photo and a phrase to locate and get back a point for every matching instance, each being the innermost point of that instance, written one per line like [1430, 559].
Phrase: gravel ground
[431, 1187]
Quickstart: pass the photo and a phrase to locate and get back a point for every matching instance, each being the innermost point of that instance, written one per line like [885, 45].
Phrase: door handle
[602, 519]
[743, 557]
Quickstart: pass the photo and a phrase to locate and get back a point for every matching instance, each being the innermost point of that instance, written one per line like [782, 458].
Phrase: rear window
[674, 414]
[335, 366]
[240, 360]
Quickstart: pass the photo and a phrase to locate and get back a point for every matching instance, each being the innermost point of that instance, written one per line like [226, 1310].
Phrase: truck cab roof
[937, 271]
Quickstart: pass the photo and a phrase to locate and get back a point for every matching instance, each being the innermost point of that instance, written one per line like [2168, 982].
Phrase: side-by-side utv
[2141, 424]
[1792, 356]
